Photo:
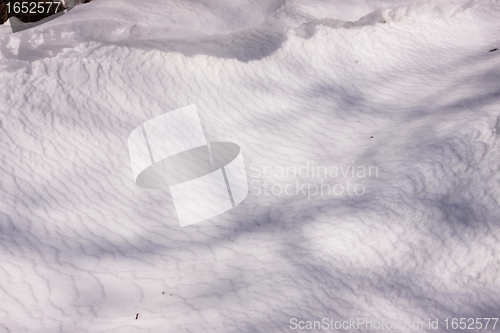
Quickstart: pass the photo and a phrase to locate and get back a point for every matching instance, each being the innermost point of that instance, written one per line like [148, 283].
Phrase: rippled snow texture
[410, 89]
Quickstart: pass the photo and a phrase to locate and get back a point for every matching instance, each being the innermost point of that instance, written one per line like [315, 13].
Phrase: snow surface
[83, 249]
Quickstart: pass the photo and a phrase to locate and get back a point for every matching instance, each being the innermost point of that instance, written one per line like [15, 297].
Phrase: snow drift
[408, 88]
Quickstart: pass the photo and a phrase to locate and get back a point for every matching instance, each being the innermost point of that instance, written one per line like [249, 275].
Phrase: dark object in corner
[493, 50]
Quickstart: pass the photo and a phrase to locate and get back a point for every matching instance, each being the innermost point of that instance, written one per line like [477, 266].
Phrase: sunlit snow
[314, 93]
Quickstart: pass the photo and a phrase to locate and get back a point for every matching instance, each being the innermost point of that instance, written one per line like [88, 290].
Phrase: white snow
[294, 84]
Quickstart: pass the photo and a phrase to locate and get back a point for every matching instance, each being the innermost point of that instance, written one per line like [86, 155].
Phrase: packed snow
[314, 92]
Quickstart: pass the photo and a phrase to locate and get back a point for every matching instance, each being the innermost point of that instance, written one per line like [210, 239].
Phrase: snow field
[83, 249]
